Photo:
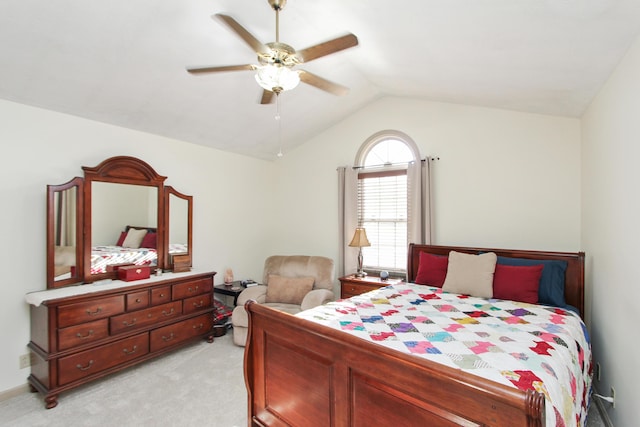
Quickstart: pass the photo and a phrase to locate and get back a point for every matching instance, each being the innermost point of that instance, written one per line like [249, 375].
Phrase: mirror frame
[121, 170]
[52, 190]
[169, 190]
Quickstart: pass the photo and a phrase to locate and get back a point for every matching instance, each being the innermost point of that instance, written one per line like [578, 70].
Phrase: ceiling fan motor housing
[279, 54]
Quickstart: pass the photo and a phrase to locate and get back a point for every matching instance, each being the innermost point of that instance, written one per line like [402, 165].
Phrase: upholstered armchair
[291, 284]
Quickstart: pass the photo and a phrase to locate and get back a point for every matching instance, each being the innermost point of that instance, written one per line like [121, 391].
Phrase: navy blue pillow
[551, 290]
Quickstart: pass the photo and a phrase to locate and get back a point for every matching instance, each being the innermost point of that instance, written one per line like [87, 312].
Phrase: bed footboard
[299, 373]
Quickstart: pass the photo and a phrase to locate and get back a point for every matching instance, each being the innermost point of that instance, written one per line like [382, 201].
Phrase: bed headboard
[149, 229]
[574, 275]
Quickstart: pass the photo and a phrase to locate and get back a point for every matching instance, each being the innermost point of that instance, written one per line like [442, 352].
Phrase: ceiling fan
[275, 71]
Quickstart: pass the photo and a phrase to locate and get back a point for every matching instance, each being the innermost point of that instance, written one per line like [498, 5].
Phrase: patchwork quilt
[102, 256]
[525, 346]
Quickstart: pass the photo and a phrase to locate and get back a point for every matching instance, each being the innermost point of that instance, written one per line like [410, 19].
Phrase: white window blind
[382, 211]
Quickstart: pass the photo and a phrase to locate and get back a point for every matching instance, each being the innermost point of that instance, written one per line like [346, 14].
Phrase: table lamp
[359, 240]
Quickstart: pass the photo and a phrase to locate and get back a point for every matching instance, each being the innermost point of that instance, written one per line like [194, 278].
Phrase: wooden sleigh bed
[300, 373]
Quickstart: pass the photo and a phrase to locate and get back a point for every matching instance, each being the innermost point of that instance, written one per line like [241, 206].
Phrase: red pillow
[149, 240]
[432, 269]
[517, 283]
[123, 236]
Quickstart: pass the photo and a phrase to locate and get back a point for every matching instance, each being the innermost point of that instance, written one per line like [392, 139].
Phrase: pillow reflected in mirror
[134, 238]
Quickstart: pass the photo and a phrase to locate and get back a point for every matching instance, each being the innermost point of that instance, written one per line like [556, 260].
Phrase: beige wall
[611, 232]
[40, 147]
[504, 179]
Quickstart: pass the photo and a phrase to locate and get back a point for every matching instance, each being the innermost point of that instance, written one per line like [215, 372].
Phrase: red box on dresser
[134, 272]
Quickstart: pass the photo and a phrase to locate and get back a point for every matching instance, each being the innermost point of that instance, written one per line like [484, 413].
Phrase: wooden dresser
[82, 333]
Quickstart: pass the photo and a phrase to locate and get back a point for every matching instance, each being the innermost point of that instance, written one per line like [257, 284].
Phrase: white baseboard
[13, 392]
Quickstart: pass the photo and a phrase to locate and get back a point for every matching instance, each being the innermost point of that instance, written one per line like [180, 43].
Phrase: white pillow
[470, 274]
[134, 238]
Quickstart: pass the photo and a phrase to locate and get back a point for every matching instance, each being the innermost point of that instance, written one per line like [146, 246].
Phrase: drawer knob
[198, 304]
[168, 338]
[133, 350]
[198, 326]
[84, 337]
[93, 313]
[161, 295]
[133, 322]
[85, 368]
[138, 300]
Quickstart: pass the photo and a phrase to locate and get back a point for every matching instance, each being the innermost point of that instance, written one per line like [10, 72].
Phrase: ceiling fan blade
[321, 83]
[245, 35]
[268, 97]
[326, 48]
[218, 69]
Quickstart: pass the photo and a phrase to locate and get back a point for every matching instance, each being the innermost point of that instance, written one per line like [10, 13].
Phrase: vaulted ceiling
[123, 61]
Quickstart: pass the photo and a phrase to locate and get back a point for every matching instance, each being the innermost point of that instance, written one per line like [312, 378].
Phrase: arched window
[383, 199]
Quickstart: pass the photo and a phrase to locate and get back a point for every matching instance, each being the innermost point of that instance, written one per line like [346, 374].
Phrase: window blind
[382, 211]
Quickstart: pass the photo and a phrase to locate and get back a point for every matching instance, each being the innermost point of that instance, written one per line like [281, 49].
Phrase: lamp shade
[360, 238]
[277, 77]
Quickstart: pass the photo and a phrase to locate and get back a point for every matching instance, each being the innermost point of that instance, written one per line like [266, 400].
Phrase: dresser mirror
[120, 213]
[64, 233]
[179, 208]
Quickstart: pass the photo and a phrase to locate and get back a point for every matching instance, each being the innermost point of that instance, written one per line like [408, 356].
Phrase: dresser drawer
[82, 334]
[193, 304]
[141, 318]
[160, 295]
[173, 334]
[137, 300]
[88, 311]
[192, 288]
[90, 362]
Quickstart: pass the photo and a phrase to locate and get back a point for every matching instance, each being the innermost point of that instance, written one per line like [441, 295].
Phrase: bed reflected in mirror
[124, 220]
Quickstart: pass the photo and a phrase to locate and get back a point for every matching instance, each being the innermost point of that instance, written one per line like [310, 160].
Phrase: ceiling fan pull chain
[278, 119]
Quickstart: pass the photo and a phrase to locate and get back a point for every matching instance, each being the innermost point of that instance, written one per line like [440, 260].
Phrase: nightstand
[233, 289]
[352, 285]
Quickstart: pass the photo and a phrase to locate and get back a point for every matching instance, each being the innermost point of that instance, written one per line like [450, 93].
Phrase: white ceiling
[123, 61]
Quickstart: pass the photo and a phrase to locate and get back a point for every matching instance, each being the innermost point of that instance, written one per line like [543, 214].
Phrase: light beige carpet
[200, 385]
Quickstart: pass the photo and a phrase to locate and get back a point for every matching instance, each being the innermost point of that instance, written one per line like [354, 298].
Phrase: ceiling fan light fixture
[277, 78]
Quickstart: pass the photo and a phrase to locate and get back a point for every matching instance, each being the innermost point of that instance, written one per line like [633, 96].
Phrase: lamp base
[360, 274]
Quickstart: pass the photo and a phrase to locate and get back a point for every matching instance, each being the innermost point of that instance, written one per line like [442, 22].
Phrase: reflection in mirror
[64, 232]
[123, 225]
[178, 229]
[178, 225]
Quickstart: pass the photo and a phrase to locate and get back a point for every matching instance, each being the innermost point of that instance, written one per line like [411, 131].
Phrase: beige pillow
[134, 238]
[288, 290]
[470, 274]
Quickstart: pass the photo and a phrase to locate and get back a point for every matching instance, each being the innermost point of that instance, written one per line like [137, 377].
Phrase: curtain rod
[396, 164]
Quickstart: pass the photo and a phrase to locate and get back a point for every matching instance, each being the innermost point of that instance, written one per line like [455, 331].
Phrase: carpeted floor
[201, 385]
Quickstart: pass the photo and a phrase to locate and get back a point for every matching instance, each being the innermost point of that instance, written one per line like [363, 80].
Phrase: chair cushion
[318, 267]
[288, 290]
